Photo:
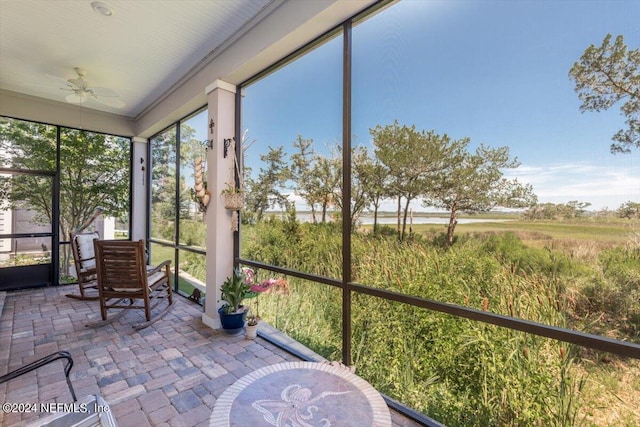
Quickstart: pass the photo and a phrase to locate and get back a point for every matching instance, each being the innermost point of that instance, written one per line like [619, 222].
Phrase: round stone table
[301, 394]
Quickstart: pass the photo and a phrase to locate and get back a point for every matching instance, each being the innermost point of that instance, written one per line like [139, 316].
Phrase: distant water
[368, 219]
[429, 220]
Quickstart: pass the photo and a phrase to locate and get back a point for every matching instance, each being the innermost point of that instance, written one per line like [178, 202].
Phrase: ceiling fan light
[77, 82]
[76, 98]
[101, 8]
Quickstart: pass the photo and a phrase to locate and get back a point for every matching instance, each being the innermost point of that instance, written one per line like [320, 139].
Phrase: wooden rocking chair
[84, 259]
[85, 262]
[123, 275]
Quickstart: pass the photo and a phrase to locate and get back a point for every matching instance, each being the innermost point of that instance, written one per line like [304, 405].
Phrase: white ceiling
[141, 51]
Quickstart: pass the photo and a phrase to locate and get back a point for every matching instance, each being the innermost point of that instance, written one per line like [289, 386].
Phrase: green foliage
[162, 228]
[235, 290]
[475, 183]
[414, 160]
[607, 75]
[521, 259]
[294, 245]
[374, 181]
[194, 264]
[406, 164]
[94, 172]
[569, 210]
[461, 372]
[192, 233]
[27, 259]
[163, 185]
[264, 192]
[629, 210]
[614, 291]
[271, 241]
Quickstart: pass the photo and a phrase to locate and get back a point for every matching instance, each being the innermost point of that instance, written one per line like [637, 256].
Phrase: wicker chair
[85, 263]
[124, 276]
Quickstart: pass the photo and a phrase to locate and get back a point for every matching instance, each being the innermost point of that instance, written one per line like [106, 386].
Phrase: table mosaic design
[301, 394]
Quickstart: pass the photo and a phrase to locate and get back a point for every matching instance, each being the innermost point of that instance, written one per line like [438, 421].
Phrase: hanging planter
[233, 199]
[233, 194]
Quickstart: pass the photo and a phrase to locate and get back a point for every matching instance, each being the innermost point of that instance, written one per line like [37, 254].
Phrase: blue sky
[494, 71]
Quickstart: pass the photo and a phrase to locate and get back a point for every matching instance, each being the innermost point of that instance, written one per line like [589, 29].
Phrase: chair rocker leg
[82, 298]
[111, 318]
[148, 323]
[154, 301]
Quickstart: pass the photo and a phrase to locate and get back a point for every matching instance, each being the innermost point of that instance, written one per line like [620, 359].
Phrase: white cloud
[605, 185]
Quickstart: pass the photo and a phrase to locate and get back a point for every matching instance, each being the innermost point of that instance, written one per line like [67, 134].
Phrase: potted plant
[235, 290]
[251, 328]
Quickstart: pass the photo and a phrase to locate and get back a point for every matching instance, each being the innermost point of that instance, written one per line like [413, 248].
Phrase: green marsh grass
[460, 372]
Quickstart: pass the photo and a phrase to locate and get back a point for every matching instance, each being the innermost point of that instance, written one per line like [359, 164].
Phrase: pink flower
[249, 275]
[263, 286]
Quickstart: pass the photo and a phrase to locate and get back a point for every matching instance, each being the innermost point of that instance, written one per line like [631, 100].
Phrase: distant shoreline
[430, 220]
[387, 218]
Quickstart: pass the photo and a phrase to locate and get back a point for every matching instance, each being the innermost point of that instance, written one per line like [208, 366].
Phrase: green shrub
[460, 372]
[192, 233]
[521, 259]
[614, 289]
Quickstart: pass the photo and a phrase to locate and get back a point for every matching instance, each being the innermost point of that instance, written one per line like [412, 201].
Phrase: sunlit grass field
[600, 229]
[611, 231]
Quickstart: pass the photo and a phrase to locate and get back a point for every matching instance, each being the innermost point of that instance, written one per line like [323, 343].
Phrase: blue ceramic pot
[232, 323]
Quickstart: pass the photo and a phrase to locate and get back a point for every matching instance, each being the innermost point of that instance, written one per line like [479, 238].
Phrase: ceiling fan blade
[61, 81]
[79, 82]
[81, 91]
[111, 102]
[50, 87]
[74, 98]
[103, 91]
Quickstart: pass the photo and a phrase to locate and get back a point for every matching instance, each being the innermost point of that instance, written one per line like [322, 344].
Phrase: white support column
[139, 191]
[221, 100]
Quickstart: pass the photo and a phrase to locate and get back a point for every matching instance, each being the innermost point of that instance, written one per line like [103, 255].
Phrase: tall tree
[413, 158]
[316, 177]
[360, 166]
[302, 164]
[607, 75]
[629, 210]
[375, 181]
[163, 185]
[190, 149]
[94, 172]
[569, 210]
[327, 176]
[265, 191]
[474, 183]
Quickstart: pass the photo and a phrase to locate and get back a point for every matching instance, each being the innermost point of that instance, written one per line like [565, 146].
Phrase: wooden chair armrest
[166, 264]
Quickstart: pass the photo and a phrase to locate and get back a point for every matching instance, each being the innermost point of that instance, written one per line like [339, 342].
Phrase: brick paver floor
[168, 374]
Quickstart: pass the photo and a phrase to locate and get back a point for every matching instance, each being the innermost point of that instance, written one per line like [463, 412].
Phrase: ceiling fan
[81, 91]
